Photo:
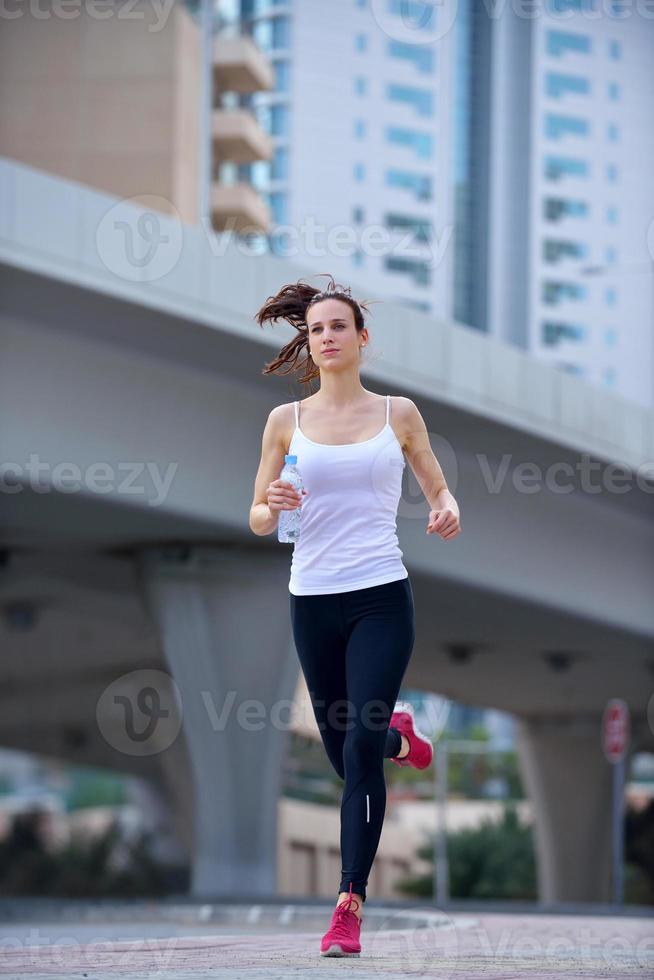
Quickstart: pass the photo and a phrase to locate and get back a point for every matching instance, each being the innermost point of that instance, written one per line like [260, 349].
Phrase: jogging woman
[351, 601]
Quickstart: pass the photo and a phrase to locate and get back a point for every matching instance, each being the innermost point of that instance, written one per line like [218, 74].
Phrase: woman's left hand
[444, 522]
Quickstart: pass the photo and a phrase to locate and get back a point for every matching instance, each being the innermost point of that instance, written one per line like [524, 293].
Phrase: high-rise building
[571, 197]
[474, 162]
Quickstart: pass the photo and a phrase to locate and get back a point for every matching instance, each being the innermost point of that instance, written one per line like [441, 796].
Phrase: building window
[279, 166]
[419, 98]
[278, 207]
[360, 42]
[254, 8]
[558, 126]
[360, 85]
[361, 3]
[615, 51]
[420, 143]
[359, 171]
[560, 6]
[419, 270]
[559, 292]
[556, 208]
[610, 336]
[281, 32]
[357, 257]
[279, 120]
[555, 250]
[417, 183]
[609, 375]
[610, 255]
[557, 85]
[358, 215]
[417, 304]
[560, 42]
[610, 296]
[612, 172]
[612, 214]
[414, 13]
[282, 70]
[421, 55]
[612, 132]
[421, 227]
[570, 368]
[359, 128]
[557, 167]
[614, 91]
[554, 333]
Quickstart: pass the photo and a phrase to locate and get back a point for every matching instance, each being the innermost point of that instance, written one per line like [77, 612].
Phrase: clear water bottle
[288, 525]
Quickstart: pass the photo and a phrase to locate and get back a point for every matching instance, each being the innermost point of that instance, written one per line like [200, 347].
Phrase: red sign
[615, 729]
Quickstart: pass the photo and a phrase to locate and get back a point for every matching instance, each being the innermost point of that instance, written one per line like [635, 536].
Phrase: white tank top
[348, 537]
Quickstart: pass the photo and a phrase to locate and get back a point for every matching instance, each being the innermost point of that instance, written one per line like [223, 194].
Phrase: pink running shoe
[421, 751]
[342, 937]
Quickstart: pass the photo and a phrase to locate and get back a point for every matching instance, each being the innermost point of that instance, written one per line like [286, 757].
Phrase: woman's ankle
[345, 896]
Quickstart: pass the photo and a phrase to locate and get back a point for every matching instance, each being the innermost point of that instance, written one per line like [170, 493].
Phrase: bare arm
[444, 510]
[270, 493]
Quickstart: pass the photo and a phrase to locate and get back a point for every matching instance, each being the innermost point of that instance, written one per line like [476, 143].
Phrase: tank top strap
[297, 417]
[388, 408]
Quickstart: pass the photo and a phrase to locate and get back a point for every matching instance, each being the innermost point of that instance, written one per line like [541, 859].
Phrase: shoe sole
[405, 707]
[336, 951]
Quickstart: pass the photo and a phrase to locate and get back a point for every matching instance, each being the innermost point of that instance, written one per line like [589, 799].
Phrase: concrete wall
[111, 102]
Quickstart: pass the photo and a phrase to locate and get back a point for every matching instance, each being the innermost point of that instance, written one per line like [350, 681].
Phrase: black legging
[354, 648]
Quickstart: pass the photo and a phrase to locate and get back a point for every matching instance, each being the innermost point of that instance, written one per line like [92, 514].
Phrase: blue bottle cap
[290, 458]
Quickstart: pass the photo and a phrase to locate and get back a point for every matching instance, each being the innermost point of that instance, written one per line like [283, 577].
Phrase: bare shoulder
[282, 418]
[405, 418]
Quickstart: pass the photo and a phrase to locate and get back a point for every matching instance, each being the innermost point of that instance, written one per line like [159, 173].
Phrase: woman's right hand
[282, 495]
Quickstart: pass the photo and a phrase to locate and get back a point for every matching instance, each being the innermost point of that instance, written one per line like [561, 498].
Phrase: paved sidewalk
[436, 944]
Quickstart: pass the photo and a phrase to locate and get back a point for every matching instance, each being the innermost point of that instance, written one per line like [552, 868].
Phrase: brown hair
[292, 303]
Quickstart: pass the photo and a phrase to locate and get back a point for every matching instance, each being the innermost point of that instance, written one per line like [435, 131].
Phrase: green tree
[493, 860]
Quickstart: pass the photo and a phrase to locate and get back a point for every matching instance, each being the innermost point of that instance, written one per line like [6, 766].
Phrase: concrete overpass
[131, 410]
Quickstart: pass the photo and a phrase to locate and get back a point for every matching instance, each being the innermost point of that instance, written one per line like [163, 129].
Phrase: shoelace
[340, 920]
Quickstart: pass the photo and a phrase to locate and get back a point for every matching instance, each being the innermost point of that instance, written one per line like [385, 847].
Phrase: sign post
[615, 739]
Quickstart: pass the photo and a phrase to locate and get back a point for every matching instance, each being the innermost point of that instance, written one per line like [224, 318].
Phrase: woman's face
[330, 323]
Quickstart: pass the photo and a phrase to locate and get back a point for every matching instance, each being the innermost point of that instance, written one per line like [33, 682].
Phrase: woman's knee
[364, 747]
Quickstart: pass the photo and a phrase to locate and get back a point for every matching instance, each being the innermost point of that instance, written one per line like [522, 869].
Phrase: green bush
[639, 855]
[494, 860]
[81, 868]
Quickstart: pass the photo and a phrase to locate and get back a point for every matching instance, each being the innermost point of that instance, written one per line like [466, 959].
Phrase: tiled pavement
[460, 945]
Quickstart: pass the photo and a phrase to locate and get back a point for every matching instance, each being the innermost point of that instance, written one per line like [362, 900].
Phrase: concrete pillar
[569, 783]
[224, 623]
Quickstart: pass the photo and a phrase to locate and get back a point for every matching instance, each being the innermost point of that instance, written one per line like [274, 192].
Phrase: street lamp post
[441, 872]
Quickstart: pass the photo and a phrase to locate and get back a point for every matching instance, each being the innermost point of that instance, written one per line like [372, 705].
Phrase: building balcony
[238, 137]
[240, 66]
[237, 207]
